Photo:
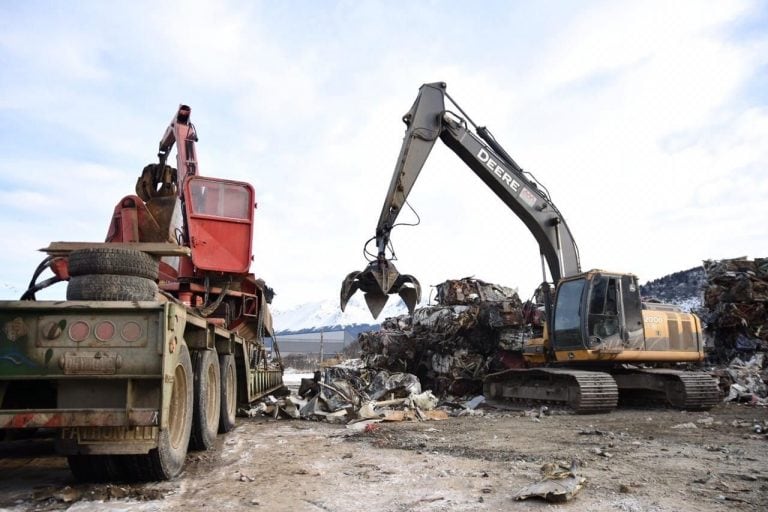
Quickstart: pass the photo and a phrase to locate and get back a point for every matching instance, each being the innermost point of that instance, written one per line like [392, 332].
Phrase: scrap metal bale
[452, 345]
[396, 323]
[388, 350]
[502, 314]
[470, 290]
[444, 320]
[735, 301]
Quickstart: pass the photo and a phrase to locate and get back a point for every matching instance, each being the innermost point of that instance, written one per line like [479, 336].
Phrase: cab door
[598, 311]
[219, 223]
[614, 318]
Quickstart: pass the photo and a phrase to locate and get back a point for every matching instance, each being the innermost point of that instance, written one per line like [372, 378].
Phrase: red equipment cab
[220, 223]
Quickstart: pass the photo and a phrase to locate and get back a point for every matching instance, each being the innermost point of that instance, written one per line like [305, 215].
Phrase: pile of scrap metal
[736, 306]
[745, 381]
[453, 345]
[348, 393]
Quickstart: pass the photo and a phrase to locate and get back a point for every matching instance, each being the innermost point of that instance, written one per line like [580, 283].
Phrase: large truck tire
[205, 420]
[228, 392]
[110, 287]
[95, 468]
[167, 460]
[104, 260]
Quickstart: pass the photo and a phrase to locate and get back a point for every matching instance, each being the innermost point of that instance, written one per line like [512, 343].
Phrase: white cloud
[640, 118]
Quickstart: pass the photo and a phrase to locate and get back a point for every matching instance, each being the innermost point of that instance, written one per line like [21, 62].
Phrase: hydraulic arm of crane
[426, 121]
[160, 180]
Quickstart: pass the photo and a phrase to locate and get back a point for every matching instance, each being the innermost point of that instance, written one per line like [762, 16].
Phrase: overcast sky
[646, 121]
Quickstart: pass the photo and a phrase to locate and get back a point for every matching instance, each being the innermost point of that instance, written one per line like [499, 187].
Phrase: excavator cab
[597, 311]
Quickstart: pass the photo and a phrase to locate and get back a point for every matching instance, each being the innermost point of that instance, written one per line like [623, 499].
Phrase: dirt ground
[636, 459]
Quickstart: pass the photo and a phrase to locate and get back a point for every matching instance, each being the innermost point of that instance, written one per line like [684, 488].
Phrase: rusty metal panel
[58, 418]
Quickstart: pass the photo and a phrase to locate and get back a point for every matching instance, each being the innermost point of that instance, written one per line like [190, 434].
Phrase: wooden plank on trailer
[156, 248]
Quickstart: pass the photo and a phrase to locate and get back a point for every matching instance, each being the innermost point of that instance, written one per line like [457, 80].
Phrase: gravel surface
[636, 459]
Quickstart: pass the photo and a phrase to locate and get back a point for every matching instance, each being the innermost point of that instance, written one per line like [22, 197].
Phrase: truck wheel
[205, 420]
[167, 460]
[95, 468]
[103, 260]
[228, 392]
[110, 287]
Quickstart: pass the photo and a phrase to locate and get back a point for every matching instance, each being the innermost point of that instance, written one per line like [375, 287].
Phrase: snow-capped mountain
[683, 288]
[327, 315]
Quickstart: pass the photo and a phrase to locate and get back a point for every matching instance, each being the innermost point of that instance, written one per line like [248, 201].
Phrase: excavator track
[585, 392]
[690, 391]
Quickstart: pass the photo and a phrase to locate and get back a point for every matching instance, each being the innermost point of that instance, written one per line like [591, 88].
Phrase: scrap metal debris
[736, 305]
[745, 382]
[558, 485]
[452, 346]
[735, 313]
[352, 394]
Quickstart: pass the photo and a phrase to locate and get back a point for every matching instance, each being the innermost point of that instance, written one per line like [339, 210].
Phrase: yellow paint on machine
[668, 336]
[635, 356]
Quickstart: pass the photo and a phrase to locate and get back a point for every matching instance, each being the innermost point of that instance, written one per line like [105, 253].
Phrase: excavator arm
[426, 121]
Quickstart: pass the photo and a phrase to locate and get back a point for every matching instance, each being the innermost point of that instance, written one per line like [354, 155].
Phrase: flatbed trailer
[114, 379]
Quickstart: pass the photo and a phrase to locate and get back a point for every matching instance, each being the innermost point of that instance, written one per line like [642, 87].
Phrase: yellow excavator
[598, 339]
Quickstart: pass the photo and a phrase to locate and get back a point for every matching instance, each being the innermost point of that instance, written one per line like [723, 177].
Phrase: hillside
[683, 288]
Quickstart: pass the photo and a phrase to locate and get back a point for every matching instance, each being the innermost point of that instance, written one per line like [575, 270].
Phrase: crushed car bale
[451, 346]
[735, 313]
[736, 306]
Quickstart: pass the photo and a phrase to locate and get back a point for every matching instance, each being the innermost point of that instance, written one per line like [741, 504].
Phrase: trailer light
[78, 331]
[131, 331]
[104, 331]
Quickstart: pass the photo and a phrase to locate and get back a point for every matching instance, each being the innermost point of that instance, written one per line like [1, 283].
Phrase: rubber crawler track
[585, 392]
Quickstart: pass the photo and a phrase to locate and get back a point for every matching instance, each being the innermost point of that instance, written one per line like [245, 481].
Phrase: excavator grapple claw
[379, 279]
[409, 289]
[348, 288]
[375, 301]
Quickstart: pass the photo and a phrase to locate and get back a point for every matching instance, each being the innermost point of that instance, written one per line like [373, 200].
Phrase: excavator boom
[427, 121]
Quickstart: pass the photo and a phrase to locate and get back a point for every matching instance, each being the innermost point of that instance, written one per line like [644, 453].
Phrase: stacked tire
[108, 274]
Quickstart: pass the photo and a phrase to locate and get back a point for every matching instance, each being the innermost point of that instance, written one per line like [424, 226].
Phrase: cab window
[219, 199]
[567, 319]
